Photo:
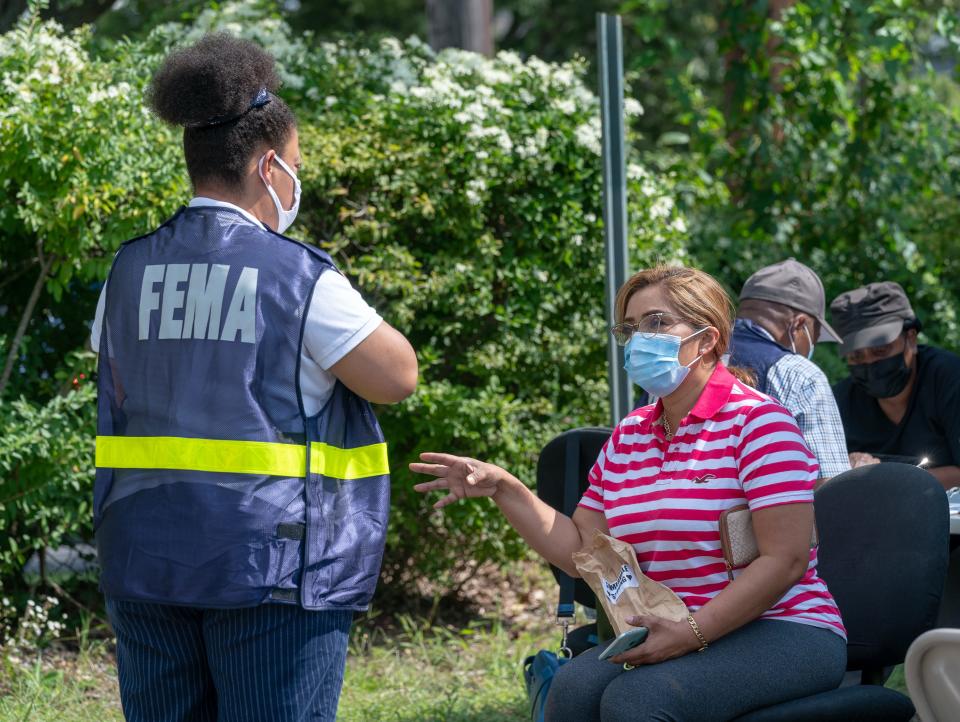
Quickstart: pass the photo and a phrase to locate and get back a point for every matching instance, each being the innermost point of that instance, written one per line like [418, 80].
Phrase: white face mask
[285, 218]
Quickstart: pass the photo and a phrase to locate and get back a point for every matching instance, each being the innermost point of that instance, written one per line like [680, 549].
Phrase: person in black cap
[781, 316]
[901, 401]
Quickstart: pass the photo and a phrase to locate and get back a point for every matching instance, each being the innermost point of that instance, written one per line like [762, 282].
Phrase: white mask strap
[279, 161]
[793, 346]
[695, 333]
[273, 194]
[285, 217]
[810, 341]
[791, 334]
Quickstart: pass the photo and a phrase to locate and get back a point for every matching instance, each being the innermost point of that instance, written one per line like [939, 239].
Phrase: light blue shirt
[803, 389]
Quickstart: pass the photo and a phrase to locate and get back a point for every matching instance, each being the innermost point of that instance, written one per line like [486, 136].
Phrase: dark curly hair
[216, 80]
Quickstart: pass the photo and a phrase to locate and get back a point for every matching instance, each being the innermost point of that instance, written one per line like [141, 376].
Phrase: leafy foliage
[453, 189]
[463, 196]
[72, 132]
[47, 474]
[839, 144]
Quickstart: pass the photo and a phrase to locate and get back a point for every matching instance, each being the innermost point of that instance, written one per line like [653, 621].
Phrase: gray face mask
[285, 217]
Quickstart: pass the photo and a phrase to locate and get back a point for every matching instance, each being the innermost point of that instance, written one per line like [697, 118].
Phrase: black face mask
[882, 379]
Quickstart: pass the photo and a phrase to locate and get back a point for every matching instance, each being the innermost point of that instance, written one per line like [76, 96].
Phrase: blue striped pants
[274, 662]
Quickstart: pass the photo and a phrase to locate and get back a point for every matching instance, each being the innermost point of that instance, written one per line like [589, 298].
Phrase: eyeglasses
[648, 326]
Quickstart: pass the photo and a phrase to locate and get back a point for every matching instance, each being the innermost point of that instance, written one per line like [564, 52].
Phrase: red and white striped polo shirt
[735, 446]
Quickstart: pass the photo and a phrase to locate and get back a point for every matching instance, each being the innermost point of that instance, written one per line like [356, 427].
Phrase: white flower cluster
[663, 208]
[99, 93]
[36, 624]
[483, 94]
[475, 187]
[647, 183]
[21, 639]
[496, 133]
[533, 145]
[632, 107]
[491, 99]
[396, 66]
[35, 59]
[589, 135]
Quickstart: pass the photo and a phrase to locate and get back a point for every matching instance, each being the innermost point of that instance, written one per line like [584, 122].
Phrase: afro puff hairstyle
[216, 78]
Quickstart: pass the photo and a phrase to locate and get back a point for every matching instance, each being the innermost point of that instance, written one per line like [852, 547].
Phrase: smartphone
[626, 641]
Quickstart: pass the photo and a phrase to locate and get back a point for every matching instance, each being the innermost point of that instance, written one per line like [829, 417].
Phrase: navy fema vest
[213, 487]
[751, 348]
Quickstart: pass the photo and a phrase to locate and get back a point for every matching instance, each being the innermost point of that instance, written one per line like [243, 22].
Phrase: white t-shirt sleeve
[338, 319]
[98, 320]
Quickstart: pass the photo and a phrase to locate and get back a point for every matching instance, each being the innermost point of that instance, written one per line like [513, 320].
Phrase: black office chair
[884, 533]
[950, 603]
[561, 480]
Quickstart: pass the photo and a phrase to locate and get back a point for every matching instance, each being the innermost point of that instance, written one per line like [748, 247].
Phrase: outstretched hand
[459, 476]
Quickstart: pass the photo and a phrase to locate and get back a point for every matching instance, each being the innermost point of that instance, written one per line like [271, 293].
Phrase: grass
[458, 659]
[443, 674]
[436, 674]
[466, 667]
[416, 673]
[69, 688]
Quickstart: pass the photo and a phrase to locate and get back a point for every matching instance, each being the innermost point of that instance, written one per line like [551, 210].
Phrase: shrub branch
[45, 261]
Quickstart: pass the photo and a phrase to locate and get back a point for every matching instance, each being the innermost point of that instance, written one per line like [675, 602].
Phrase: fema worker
[242, 486]
[780, 319]
[901, 401]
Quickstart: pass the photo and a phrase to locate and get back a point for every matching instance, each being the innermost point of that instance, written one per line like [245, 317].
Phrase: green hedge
[840, 143]
[462, 195]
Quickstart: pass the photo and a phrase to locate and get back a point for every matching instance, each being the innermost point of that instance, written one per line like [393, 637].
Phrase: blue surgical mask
[653, 362]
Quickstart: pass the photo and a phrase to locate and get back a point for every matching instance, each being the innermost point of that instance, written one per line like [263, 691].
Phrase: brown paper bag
[610, 567]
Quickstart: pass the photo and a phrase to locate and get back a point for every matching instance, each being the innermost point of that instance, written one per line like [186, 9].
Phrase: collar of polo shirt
[713, 397]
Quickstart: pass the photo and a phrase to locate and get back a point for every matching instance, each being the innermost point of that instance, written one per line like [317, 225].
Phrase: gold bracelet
[696, 630]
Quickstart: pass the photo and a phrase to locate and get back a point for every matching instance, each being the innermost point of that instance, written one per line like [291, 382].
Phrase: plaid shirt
[803, 388]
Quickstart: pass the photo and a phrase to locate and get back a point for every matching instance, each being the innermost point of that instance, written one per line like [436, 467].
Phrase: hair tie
[260, 99]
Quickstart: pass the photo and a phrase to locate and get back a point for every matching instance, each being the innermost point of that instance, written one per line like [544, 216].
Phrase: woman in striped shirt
[660, 483]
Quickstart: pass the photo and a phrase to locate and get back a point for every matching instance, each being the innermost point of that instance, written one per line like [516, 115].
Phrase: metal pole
[610, 37]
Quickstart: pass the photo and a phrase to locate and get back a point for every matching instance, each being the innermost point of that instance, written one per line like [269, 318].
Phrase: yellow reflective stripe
[356, 463]
[174, 452]
[240, 457]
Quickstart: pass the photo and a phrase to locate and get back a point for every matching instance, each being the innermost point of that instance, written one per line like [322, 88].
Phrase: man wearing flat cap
[901, 401]
[781, 316]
